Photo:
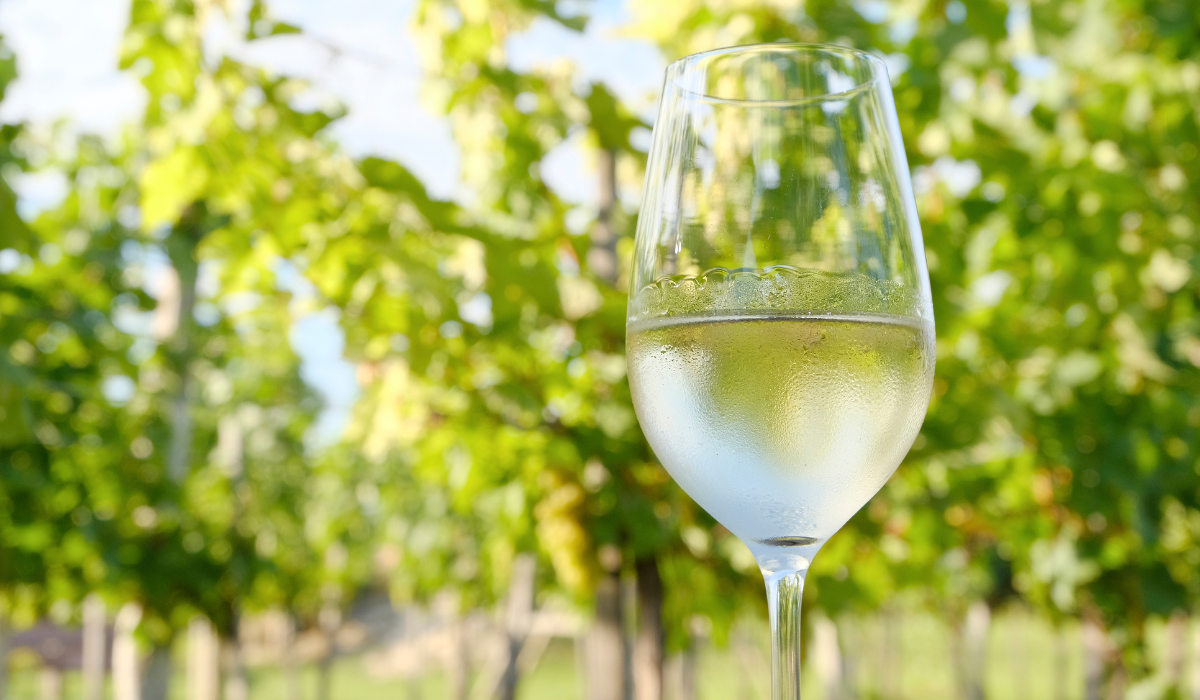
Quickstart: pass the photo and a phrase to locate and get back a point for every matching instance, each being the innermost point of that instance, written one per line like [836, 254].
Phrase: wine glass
[780, 330]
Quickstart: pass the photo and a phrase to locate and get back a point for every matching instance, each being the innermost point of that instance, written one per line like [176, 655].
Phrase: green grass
[556, 675]
[1026, 661]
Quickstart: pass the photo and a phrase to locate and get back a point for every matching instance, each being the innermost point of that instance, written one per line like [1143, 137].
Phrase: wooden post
[50, 683]
[689, 681]
[687, 673]
[3, 656]
[127, 682]
[745, 687]
[649, 646]
[827, 657]
[579, 646]
[1094, 650]
[1062, 654]
[459, 666]
[447, 610]
[849, 648]
[629, 630]
[975, 638]
[237, 686]
[756, 668]
[203, 661]
[330, 620]
[1194, 662]
[157, 679]
[1177, 641]
[1117, 681]
[604, 648]
[95, 620]
[518, 617]
[291, 665]
[1018, 650]
[889, 651]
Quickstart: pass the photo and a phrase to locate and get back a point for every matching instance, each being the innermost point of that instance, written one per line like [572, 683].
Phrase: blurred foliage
[162, 457]
[1054, 155]
[156, 422]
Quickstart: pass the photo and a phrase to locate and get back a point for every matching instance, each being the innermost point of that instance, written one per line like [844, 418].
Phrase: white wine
[779, 344]
[781, 425]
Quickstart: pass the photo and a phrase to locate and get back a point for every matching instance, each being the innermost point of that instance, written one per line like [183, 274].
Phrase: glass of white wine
[780, 329]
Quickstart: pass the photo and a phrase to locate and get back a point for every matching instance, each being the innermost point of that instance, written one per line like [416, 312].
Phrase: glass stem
[785, 593]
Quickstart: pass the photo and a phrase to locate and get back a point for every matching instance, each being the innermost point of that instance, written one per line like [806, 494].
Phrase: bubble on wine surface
[777, 288]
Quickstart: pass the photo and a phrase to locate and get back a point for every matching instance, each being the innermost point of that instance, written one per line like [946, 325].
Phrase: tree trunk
[756, 670]
[1176, 651]
[517, 620]
[330, 620]
[95, 620]
[1194, 663]
[602, 256]
[849, 642]
[605, 644]
[827, 657]
[237, 686]
[459, 666]
[1062, 656]
[127, 681]
[1118, 681]
[203, 661]
[173, 321]
[605, 647]
[50, 683]
[973, 664]
[325, 678]
[648, 649]
[291, 665]
[687, 670]
[1018, 651]
[745, 687]
[1095, 648]
[890, 651]
[157, 679]
[629, 630]
[3, 656]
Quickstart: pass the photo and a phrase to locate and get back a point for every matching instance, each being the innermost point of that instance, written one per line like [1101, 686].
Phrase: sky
[358, 52]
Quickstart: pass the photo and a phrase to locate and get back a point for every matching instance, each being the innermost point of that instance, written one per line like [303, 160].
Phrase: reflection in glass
[780, 332]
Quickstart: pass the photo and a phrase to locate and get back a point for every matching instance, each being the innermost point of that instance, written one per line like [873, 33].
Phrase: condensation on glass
[779, 155]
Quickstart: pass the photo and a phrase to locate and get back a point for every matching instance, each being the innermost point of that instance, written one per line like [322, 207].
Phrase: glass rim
[877, 65]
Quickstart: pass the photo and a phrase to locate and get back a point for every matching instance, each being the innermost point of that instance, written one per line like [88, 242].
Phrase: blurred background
[312, 380]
